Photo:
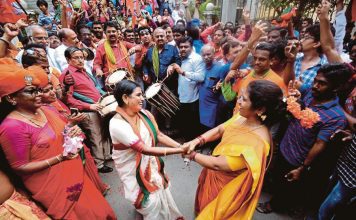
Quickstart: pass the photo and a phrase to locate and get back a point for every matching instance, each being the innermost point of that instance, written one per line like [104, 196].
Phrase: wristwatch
[305, 167]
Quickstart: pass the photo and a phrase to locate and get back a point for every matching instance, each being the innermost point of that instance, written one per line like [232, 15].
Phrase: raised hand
[10, 31]
[258, 31]
[292, 89]
[291, 50]
[323, 9]
[246, 16]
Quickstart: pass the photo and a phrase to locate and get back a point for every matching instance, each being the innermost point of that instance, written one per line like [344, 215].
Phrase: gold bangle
[59, 160]
[49, 165]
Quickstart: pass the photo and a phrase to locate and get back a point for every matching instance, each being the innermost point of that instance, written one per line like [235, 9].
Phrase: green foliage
[304, 6]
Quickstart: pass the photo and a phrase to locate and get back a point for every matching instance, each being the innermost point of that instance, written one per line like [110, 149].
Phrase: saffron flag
[10, 11]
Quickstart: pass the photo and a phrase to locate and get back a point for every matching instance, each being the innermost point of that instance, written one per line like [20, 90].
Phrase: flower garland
[307, 116]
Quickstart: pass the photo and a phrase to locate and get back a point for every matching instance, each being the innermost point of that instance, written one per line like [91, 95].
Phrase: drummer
[84, 93]
[113, 53]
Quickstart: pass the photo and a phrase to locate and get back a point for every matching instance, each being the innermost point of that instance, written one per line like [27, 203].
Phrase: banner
[10, 11]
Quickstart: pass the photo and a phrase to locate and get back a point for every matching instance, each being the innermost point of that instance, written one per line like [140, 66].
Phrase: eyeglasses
[33, 92]
[142, 33]
[40, 38]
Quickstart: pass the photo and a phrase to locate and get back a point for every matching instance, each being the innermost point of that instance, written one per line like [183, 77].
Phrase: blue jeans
[339, 196]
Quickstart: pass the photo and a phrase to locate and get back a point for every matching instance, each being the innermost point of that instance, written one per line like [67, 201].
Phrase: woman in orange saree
[230, 184]
[31, 138]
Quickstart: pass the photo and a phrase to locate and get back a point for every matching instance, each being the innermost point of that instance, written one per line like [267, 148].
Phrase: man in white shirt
[191, 74]
[38, 35]
[69, 39]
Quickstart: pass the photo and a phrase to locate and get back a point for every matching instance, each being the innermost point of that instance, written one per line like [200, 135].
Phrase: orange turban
[14, 78]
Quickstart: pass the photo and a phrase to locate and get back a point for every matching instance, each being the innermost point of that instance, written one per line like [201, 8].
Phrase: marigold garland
[307, 116]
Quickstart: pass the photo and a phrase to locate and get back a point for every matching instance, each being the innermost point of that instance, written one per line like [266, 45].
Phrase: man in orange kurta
[261, 70]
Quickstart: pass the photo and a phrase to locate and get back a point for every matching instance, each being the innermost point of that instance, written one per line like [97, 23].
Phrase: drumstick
[123, 58]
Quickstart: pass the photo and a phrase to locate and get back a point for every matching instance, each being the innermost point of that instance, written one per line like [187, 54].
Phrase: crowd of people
[260, 106]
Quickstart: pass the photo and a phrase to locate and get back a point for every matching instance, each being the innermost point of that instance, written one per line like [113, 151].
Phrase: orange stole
[233, 195]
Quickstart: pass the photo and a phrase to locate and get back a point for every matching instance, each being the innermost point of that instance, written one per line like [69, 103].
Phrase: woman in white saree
[134, 134]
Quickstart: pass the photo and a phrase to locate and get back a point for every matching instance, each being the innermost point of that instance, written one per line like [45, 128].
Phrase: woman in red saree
[31, 138]
[231, 181]
[49, 99]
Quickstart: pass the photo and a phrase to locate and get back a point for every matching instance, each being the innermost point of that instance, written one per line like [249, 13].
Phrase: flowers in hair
[307, 116]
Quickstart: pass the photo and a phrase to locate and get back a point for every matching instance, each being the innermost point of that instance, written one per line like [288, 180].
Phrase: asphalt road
[183, 186]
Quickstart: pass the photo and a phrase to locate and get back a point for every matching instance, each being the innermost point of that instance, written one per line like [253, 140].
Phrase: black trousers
[188, 120]
[285, 194]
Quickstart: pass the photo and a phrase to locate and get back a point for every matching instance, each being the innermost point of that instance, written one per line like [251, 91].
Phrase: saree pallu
[233, 195]
[145, 183]
[63, 189]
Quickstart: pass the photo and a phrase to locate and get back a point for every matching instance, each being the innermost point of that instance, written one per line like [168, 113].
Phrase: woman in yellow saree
[230, 184]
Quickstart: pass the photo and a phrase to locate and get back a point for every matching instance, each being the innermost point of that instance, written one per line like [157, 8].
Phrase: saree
[146, 185]
[233, 195]
[19, 207]
[88, 161]
[64, 190]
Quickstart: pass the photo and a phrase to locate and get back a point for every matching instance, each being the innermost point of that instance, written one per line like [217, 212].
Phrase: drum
[159, 96]
[109, 105]
[115, 77]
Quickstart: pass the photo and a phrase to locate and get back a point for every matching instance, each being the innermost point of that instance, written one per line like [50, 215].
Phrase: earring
[13, 103]
[261, 116]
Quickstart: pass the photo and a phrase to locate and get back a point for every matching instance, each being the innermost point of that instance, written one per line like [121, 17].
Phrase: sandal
[264, 207]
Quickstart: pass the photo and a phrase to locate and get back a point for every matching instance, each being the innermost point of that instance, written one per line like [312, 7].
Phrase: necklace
[250, 130]
[31, 119]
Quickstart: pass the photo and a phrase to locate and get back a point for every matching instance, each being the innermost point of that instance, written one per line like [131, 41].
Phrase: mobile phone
[74, 111]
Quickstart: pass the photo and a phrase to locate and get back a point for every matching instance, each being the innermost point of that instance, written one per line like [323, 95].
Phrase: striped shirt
[346, 165]
[309, 74]
[298, 140]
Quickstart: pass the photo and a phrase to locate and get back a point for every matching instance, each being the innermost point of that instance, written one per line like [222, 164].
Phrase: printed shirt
[298, 141]
[309, 74]
[44, 20]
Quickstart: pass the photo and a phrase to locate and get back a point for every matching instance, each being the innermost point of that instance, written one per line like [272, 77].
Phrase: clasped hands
[189, 147]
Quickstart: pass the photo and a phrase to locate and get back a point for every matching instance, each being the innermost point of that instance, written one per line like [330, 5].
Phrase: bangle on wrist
[6, 41]
[201, 140]
[165, 152]
[193, 155]
[49, 165]
[59, 159]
